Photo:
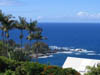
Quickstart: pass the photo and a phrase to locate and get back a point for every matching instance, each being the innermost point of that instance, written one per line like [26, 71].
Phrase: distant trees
[42, 47]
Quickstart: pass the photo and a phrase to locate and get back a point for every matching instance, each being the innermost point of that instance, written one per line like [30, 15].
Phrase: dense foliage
[3, 51]
[11, 67]
[93, 70]
[41, 46]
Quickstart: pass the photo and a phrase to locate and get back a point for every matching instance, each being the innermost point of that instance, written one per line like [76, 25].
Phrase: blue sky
[54, 10]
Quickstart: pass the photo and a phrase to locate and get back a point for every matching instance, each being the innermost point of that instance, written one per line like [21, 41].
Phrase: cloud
[39, 17]
[83, 14]
[8, 2]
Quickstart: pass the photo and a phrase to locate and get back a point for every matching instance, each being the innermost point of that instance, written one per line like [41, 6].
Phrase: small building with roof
[80, 64]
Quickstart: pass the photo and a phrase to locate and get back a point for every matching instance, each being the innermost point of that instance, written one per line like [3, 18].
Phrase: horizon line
[69, 22]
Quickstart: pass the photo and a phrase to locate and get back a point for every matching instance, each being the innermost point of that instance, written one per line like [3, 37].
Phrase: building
[79, 64]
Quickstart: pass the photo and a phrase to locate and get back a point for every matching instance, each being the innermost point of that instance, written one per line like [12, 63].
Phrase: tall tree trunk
[37, 51]
[7, 38]
[21, 39]
[2, 35]
[2, 41]
[30, 39]
[30, 44]
[7, 48]
[21, 47]
[6, 44]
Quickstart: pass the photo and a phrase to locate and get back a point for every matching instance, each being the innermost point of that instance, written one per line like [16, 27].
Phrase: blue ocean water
[69, 35]
[72, 35]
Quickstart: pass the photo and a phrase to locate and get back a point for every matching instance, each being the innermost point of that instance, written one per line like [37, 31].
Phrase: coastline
[56, 50]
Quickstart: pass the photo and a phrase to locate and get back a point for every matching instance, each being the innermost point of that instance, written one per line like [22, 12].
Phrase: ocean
[72, 35]
[84, 36]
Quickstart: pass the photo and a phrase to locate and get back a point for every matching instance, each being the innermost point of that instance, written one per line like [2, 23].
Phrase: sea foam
[68, 50]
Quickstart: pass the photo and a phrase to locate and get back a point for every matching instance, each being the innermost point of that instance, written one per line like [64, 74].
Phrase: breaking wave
[67, 50]
[76, 51]
[46, 56]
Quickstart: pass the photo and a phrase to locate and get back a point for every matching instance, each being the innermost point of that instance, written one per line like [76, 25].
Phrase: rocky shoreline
[55, 51]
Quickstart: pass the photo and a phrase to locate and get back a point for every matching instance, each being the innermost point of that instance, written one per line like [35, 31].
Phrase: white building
[79, 64]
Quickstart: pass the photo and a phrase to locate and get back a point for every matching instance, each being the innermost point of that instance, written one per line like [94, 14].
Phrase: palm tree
[38, 36]
[7, 24]
[31, 28]
[1, 26]
[21, 26]
[34, 33]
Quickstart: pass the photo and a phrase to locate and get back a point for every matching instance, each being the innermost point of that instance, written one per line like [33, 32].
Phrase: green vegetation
[42, 47]
[15, 59]
[93, 70]
[2, 49]
[12, 67]
[8, 47]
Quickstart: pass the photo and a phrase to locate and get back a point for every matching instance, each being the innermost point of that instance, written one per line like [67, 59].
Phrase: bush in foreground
[93, 70]
[11, 67]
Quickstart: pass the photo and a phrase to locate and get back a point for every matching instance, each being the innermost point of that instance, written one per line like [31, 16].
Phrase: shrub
[52, 70]
[20, 71]
[70, 71]
[32, 68]
[11, 67]
[5, 63]
[93, 70]
[3, 50]
[9, 72]
[19, 55]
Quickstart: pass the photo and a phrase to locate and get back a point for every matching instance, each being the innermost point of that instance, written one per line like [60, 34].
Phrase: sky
[54, 10]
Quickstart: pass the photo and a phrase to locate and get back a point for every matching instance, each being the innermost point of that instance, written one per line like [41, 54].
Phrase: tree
[38, 36]
[1, 27]
[42, 47]
[35, 33]
[7, 24]
[31, 28]
[21, 26]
